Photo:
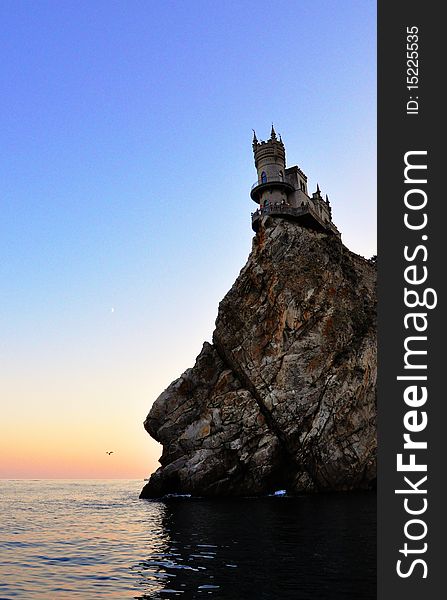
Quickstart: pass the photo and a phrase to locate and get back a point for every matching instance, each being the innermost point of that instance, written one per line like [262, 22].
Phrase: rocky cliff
[284, 397]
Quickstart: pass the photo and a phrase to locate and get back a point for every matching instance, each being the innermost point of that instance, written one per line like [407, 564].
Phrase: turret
[322, 206]
[270, 157]
[270, 163]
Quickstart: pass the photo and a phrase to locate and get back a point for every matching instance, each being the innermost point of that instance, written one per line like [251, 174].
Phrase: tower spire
[255, 139]
[318, 189]
[273, 133]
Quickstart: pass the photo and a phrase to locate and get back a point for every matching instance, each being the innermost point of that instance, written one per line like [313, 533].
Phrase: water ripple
[63, 540]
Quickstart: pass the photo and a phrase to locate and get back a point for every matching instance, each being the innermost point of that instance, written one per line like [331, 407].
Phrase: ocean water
[92, 539]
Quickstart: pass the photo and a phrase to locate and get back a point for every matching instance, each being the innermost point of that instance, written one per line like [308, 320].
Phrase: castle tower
[270, 162]
[282, 192]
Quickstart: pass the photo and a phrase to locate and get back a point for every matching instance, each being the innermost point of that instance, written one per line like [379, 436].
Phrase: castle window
[263, 177]
[281, 176]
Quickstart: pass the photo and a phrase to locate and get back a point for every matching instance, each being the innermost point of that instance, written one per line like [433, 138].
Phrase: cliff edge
[284, 397]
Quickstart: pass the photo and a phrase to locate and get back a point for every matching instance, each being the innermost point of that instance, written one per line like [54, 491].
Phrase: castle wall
[297, 198]
[272, 172]
[270, 158]
[325, 211]
[273, 197]
[297, 178]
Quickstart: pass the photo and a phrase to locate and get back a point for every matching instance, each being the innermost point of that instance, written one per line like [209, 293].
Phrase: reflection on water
[303, 548]
[94, 539]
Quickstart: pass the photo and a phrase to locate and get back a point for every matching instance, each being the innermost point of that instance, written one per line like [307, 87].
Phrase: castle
[282, 192]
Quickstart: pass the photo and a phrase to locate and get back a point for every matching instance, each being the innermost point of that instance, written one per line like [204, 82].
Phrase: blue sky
[125, 145]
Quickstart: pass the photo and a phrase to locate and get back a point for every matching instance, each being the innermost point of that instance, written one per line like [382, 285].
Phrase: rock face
[285, 395]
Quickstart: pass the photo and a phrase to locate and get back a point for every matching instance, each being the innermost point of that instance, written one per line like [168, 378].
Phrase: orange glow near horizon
[77, 452]
[66, 403]
[50, 438]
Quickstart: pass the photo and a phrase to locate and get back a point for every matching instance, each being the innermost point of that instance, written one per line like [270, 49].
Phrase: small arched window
[281, 176]
[263, 177]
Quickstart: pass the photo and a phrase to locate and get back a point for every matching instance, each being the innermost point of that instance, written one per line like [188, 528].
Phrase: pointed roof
[318, 189]
[255, 139]
[273, 133]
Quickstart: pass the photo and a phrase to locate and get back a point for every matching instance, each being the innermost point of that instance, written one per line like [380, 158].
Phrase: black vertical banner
[412, 403]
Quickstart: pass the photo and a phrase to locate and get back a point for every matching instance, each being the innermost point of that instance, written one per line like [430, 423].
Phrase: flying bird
[109, 453]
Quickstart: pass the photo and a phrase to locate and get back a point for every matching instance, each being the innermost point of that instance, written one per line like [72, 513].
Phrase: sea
[93, 539]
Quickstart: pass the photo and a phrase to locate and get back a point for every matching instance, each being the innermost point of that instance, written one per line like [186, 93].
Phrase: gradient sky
[125, 145]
